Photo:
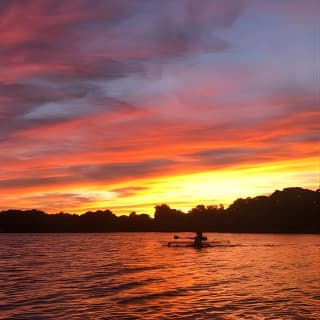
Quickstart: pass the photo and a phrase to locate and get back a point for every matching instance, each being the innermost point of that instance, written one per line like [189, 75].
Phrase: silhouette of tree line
[292, 210]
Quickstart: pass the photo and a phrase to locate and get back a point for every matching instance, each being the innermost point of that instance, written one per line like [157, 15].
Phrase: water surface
[133, 276]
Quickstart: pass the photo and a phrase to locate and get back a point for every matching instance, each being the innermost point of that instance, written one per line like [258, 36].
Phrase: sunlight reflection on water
[133, 276]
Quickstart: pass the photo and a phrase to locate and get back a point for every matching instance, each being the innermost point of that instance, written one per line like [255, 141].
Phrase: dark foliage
[292, 210]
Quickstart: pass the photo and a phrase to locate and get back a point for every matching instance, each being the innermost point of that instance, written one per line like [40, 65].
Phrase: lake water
[134, 276]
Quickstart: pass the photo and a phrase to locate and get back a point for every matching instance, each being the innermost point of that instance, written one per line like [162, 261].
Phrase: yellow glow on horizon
[214, 187]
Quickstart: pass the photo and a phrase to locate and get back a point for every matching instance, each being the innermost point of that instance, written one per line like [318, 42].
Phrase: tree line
[292, 210]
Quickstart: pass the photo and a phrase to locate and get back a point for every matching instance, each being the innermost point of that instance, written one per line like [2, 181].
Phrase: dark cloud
[304, 137]
[60, 195]
[19, 100]
[101, 69]
[128, 191]
[106, 173]
[24, 96]
[195, 26]
[30, 105]
[55, 201]
[26, 182]
[119, 171]
[4, 4]
[169, 29]
[227, 156]
[103, 29]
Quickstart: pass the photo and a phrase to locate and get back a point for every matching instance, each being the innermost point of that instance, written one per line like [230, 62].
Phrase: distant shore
[292, 210]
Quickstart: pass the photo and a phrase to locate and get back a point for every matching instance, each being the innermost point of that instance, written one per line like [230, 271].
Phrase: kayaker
[198, 239]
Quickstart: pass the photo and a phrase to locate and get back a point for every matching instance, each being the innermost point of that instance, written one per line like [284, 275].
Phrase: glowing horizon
[124, 105]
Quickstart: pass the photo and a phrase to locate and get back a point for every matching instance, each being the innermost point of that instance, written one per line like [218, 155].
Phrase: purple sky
[102, 100]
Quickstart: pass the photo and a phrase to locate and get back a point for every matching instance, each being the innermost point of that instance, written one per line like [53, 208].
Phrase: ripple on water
[82, 276]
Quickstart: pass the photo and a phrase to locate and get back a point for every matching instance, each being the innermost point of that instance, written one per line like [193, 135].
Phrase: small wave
[152, 296]
[132, 285]
[139, 269]
[117, 272]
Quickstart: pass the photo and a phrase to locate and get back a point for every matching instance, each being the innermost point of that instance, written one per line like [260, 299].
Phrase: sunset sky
[125, 104]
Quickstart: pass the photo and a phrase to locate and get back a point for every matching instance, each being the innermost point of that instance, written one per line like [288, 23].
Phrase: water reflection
[132, 276]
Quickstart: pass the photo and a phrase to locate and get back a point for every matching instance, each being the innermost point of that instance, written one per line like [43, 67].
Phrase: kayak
[190, 244]
[200, 246]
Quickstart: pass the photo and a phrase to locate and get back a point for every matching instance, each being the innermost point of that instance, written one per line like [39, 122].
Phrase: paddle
[192, 238]
[178, 237]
